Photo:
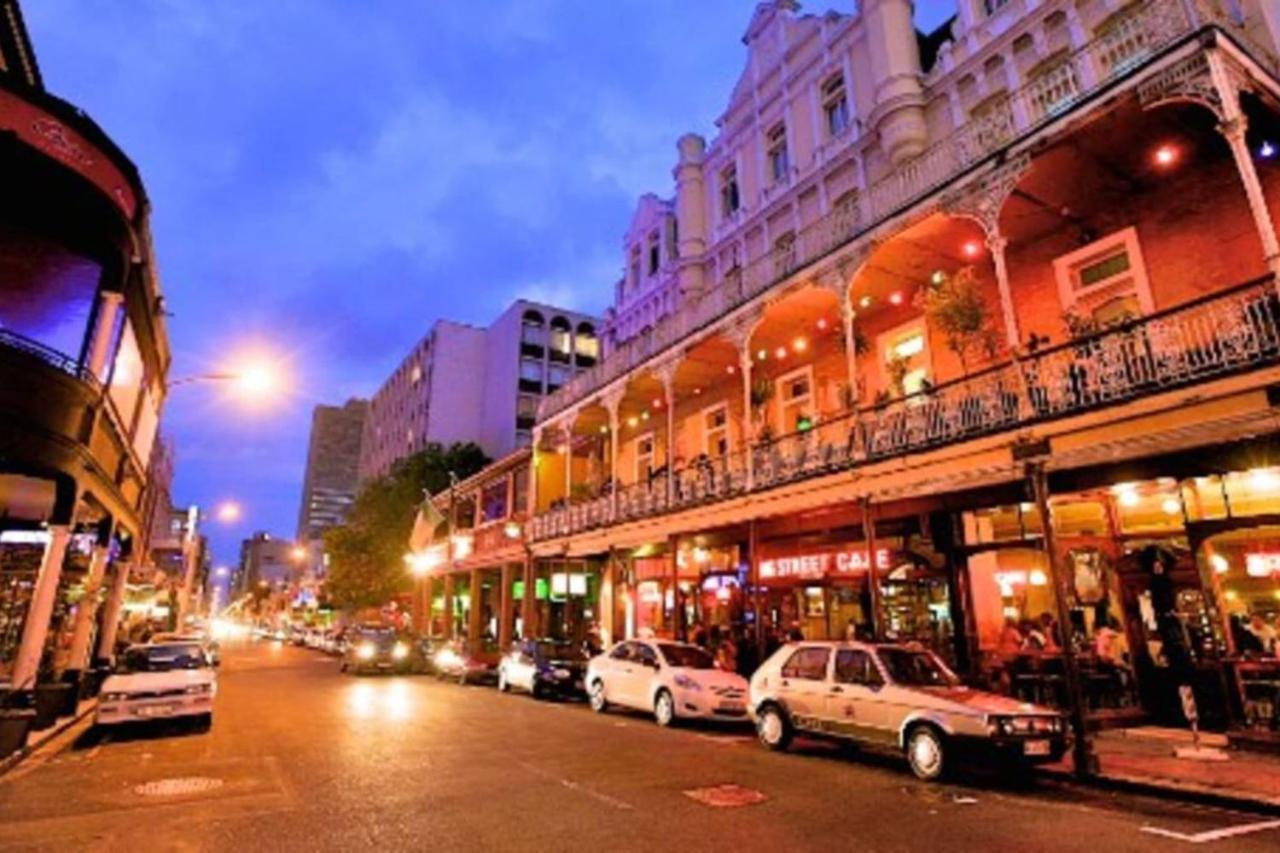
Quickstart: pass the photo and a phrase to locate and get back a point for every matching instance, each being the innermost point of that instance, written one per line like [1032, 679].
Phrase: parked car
[900, 697]
[159, 681]
[672, 680]
[544, 668]
[467, 662]
[211, 646]
[376, 648]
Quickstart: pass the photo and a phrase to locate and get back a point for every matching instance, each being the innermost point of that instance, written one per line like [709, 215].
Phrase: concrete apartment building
[333, 467]
[464, 383]
[266, 560]
[943, 333]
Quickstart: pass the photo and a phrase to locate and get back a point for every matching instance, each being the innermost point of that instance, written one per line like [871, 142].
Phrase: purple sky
[329, 177]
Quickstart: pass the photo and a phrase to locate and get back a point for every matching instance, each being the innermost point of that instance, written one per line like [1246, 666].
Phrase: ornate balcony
[1124, 47]
[1233, 331]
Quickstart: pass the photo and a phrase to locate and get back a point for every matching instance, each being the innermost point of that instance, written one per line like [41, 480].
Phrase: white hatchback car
[159, 681]
[673, 680]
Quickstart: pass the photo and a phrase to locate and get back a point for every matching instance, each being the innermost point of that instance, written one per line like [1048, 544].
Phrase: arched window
[531, 329]
[586, 344]
[561, 336]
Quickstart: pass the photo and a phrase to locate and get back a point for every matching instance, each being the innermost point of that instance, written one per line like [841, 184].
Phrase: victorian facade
[955, 338]
[83, 362]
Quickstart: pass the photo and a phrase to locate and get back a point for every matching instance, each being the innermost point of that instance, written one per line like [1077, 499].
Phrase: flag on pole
[426, 524]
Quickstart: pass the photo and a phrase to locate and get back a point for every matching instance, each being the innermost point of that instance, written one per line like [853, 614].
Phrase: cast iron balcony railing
[1232, 331]
[1124, 46]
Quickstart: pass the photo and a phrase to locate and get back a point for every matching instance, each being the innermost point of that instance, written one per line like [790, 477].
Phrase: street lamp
[298, 553]
[228, 512]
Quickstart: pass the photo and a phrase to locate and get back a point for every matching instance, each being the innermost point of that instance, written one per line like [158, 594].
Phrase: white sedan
[672, 680]
[159, 681]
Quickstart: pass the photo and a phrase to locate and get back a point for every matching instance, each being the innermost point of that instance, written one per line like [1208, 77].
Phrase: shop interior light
[864, 302]
[1165, 156]
[780, 352]
[895, 298]
[800, 345]
[971, 249]
[822, 324]
[1171, 506]
[1037, 577]
[1219, 564]
[1264, 479]
[1267, 150]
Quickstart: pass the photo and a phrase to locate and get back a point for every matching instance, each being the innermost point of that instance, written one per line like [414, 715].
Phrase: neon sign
[810, 566]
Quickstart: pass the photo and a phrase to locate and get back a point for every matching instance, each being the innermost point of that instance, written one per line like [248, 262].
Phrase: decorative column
[532, 494]
[26, 665]
[473, 613]
[873, 572]
[111, 616]
[666, 373]
[82, 632]
[109, 305]
[506, 603]
[528, 615]
[613, 404]
[997, 243]
[739, 334]
[567, 431]
[448, 603]
[1233, 130]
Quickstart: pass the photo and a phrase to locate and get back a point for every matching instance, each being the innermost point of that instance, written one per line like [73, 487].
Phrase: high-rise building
[266, 561]
[464, 383]
[333, 461]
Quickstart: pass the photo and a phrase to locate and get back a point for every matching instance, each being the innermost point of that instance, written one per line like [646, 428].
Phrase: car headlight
[684, 682]
[365, 651]
[114, 697]
[200, 688]
[399, 651]
[447, 657]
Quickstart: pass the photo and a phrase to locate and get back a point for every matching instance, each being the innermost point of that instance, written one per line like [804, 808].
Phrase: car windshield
[688, 657]
[163, 658]
[559, 651]
[381, 636]
[915, 668]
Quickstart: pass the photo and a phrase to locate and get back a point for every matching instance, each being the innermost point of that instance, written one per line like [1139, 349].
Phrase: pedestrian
[851, 629]
[727, 655]
[1265, 634]
[795, 635]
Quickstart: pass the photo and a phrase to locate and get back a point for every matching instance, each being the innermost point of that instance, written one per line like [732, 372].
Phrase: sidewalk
[1145, 757]
[35, 740]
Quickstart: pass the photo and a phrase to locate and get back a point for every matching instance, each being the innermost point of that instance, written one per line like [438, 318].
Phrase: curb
[1197, 794]
[46, 737]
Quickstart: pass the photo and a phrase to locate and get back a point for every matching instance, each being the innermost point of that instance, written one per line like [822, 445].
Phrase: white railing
[1228, 332]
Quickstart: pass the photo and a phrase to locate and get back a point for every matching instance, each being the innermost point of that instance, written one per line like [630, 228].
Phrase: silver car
[900, 697]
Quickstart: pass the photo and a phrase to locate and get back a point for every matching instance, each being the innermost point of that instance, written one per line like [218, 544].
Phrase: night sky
[328, 178]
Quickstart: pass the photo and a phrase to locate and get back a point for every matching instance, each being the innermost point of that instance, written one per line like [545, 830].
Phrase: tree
[366, 554]
[955, 307]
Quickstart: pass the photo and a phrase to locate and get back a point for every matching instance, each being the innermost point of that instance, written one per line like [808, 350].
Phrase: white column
[36, 628]
[615, 481]
[996, 243]
[669, 402]
[847, 315]
[532, 494]
[88, 609]
[111, 616]
[744, 367]
[1234, 132]
[568, 463]
[109, 304]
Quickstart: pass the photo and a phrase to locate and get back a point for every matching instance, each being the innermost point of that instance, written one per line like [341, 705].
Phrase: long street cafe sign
[820, 564]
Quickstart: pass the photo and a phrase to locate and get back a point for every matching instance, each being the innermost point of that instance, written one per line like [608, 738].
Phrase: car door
[644, 666]
[855, 704]
[616, 671]
[803, 686]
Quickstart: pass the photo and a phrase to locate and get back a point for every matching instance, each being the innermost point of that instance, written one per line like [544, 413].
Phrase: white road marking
[574, 786]
[1213, 834]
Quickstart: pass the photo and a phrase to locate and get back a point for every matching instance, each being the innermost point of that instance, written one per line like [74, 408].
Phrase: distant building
[463, 383]
[265, 559]
[333, 460]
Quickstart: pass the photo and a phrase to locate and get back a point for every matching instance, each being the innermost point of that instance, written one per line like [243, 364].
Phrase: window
[520, 488]
[526, 408]
[644, 655]
[993, 6]
[1104, 282]
[531, 371]
[622, 652]
[561, 336]
[635, 267]
[655, 253]
[585, 343]
[557, 375]
[855, 666]
[126, 376]
[493, 501]
[415, 375]
[47, 291]
[807, 664]
[905, 352]
[715, 431]
[531, 329]
[729, 199]
[795, 396]
[644, 457]
[835, 105]
[776, 153]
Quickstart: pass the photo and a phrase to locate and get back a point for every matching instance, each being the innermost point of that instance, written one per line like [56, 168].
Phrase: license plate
[732, 707]
[1035, 747]
[156, 710]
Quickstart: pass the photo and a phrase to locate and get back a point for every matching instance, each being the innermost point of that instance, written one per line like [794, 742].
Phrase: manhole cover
[726, 796]
[178, 787]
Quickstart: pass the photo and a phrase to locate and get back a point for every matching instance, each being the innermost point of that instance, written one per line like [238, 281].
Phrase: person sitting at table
[1265, 634]
[1010, 642]
[1049, 628]
[1033, 638]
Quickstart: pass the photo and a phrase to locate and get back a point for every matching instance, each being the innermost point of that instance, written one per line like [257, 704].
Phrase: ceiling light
[895, 298]
[822, 324]
[762, 355]
[644, 416]
[972, 249]
[697, 391]
[1165, 156]
[1267, 150]
[1219, 563]
[730, 369]
[657, 402]
[1171, 506]
[865, 302]
[799, 345]
[632, 421]
[780, 352]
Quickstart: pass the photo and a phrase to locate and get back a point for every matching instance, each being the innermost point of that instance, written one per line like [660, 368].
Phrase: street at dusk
[305, 759]
[737, 425]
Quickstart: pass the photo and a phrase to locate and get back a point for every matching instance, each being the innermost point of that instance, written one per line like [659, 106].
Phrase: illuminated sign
[812, 566]
[1262, 565]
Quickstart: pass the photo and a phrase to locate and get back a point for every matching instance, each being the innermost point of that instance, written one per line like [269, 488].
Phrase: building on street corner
[970, 339]
[84, 356]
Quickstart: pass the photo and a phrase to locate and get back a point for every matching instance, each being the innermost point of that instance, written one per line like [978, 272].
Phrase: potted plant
[955, 307]
[15, 723]
[52, 698]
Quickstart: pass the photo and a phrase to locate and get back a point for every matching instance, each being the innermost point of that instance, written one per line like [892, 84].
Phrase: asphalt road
[301, 757]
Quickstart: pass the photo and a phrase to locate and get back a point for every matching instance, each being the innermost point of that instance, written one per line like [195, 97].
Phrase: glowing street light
[298, 553]
[228, 512]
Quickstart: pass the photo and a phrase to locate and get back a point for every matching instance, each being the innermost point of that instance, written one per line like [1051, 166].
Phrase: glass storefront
[566, 598]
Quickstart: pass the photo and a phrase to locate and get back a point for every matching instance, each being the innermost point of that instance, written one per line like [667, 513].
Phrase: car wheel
[664, 708]
[204, 722]
[536, 691]
[926, 753]
[503, 686]
[773, 728]
[595, 695]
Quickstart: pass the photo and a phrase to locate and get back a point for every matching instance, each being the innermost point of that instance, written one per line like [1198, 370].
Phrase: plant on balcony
[896, 367]
[761, 394]
[954, 305]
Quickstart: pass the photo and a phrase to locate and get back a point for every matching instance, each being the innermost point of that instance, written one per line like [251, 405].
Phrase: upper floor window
[906, 358]
[526, 407]
[531, 329]
[795, 394]
[715, 431]
[557, 376]
[561, 336]
[729, 198]
[493, 501]
[531, 370]
[994, 6]
[635, 266]
[585, 342]
[655, 253]
[1104, 283]
[835, 105]
[776, 153]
